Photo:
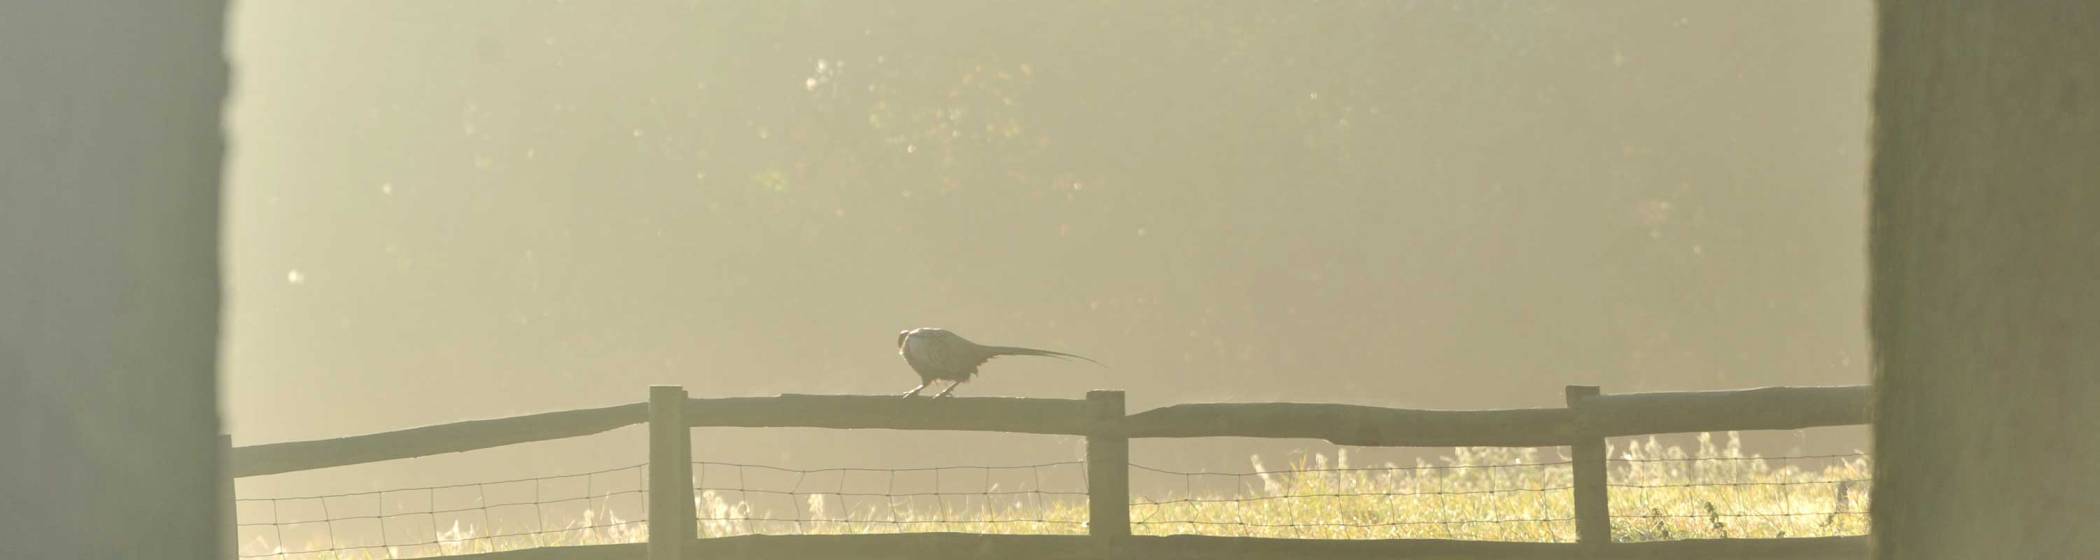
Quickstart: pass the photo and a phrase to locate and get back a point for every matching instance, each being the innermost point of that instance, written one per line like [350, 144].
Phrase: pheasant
[941, 355]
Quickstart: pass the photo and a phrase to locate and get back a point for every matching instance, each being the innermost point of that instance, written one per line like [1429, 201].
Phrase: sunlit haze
[439, 211]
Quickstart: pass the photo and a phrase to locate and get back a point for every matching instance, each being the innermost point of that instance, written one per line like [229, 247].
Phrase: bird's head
[900, 340]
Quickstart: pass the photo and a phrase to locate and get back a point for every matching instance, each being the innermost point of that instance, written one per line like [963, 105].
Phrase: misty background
[448, 211]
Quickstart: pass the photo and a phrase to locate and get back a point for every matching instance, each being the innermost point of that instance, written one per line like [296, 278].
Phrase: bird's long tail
[1019, 351]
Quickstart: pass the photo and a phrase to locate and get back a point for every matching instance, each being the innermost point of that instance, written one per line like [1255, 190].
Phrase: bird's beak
[900, 340]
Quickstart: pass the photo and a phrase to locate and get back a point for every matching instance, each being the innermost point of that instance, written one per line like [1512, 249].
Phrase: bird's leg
[951, 388]
[915, 390]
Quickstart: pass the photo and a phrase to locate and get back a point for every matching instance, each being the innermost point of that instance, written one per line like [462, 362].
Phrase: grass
[1716, 491]
[1500, 494]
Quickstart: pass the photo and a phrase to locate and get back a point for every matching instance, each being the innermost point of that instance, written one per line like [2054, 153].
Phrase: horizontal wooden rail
[276, 458]
[987, 414]
[1764, 408]
[1768, 408]
[924, 546]
[1358, 425]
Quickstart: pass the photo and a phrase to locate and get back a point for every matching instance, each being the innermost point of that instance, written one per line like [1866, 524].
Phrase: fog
[448, 211]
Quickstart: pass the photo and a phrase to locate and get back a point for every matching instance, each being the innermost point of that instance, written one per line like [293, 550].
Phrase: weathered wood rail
[273, 458]
[1583, 424]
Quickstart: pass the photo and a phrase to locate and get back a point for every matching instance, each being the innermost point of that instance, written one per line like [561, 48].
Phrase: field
[1658, 493]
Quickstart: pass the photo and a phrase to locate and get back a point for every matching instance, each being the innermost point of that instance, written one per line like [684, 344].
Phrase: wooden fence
[1583, 424]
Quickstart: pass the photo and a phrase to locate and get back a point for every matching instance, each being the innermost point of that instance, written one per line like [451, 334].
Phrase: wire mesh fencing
[743, 499]
[1660, 493]
[1482, 494]
[1490, 494]
[1477, 494]
[605, 506]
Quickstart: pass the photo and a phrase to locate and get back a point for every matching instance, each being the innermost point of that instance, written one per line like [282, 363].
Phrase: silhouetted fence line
[677, 528]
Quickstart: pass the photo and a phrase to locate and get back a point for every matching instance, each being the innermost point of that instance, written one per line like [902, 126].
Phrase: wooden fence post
[1592, 474]
[229, 517]
[1107, 468]
[671, 516]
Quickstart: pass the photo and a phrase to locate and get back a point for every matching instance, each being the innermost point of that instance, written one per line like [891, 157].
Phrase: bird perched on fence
[939, 354]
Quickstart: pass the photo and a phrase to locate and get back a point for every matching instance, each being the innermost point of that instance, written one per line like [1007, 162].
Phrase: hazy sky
[445, 211]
